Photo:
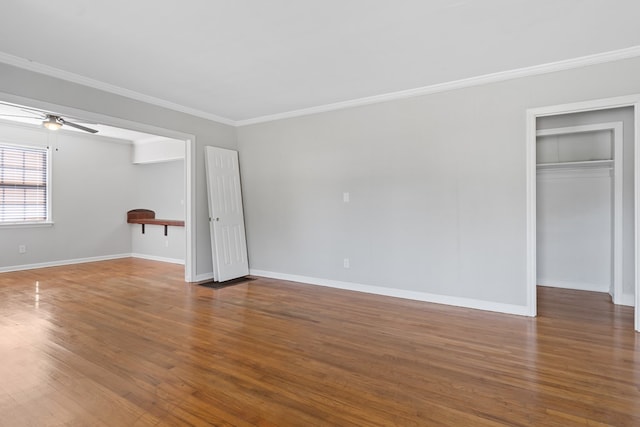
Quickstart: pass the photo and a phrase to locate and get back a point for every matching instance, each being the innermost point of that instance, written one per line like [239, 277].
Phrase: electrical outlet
[166, 243]
[22, 249]
[346, 197]
[346, 263]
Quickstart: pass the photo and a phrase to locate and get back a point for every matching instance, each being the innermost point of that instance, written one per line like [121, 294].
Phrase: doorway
[580, 203]
[623, 284]
[189, 161]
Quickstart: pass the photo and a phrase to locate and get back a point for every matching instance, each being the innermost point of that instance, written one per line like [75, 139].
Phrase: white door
[226, 218]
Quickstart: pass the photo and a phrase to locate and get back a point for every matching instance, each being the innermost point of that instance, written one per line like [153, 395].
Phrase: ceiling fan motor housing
[52, 122]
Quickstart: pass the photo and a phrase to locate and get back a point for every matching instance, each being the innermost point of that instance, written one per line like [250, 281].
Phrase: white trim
[190, 208]
[202, 277]
[531, 233]
[165, 160]
[398, 293]
[583, 165]
[26, 64]
[636, 208]
[62, 262]
[158, 258]
[26, 224]
[153, 139]
[569, 130]
[618, 177]
[591, 287]
[591, 105]
[567, 64]
[628, 300]
[551, 67]
[552, 174]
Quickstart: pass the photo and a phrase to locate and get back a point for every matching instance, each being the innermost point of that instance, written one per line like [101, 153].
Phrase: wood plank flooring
[128, 343]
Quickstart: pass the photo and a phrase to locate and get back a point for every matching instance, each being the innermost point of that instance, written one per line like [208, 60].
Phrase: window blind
[23, 184]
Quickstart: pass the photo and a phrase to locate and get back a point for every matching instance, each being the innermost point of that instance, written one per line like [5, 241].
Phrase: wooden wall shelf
[147, 216]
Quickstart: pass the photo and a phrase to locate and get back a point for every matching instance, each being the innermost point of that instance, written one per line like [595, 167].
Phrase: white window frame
[49, 219]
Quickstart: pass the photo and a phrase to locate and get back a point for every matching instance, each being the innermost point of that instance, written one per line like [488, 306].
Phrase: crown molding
[583, 61]
[36, 67]
[551, 67]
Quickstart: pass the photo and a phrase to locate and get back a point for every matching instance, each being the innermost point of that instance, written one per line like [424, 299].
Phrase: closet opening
[579, 214]
[582, 194]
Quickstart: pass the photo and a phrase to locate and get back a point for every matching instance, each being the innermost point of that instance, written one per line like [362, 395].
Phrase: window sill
[26, 224]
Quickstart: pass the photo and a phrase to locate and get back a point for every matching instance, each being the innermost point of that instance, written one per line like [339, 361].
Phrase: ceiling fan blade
[77, 126]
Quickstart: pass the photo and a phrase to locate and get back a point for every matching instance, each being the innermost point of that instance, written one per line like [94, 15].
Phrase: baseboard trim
[627, 299]
[62, 262]
[202, 277]
[578, 286]
[158, 258]
[519, 310]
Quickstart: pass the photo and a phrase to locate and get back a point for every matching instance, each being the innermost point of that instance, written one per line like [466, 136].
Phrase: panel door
[226, 217]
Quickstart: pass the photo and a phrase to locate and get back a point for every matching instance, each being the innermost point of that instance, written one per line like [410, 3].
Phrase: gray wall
[15, 81]
[437, 186]
[91, 181]
[437, 182]
[160, 187]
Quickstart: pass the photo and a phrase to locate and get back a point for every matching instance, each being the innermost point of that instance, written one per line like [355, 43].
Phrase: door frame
[531, 133]
[189, 162]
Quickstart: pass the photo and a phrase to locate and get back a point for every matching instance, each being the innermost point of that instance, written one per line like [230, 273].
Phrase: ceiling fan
[50, 121]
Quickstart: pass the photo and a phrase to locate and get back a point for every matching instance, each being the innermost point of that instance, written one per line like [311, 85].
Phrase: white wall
[27, 84]
[91, 178]
[437, 187]
[574, 218]
[160, 187]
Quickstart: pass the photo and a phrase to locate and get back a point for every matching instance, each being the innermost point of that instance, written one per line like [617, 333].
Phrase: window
[24, 184]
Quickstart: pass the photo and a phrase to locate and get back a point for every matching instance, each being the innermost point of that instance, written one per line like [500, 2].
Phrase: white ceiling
[246, 59]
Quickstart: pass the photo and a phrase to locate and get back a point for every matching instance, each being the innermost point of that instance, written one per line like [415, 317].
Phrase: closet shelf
[574, 165]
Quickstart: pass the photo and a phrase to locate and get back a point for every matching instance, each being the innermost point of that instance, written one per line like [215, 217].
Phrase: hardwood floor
[127, 343]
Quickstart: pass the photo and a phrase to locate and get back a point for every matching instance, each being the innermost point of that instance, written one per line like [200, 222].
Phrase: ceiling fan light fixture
[52, 123]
